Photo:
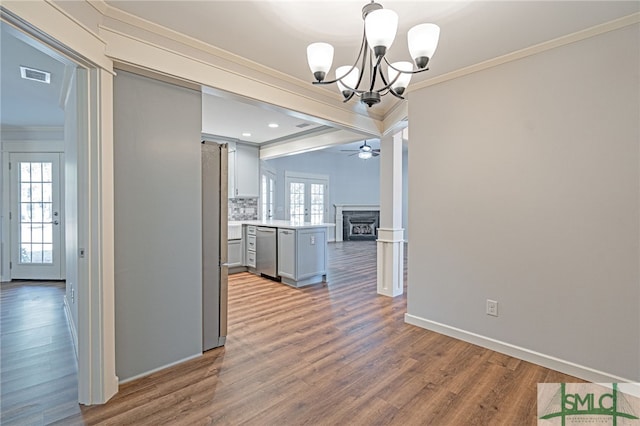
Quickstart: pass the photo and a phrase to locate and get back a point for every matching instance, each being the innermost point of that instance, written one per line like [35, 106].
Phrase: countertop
[282, 224]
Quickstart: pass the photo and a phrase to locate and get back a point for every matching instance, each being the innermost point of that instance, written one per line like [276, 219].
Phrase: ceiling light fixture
[246, 134]
[380, 26]
[273, 125]
[365, 155]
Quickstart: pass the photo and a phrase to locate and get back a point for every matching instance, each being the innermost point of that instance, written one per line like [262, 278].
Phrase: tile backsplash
[243, 208]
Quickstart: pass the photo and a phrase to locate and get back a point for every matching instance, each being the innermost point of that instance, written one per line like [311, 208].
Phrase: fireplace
[360, 225]
[361, 228]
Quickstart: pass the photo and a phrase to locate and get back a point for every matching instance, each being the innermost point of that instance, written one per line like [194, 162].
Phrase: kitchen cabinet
[302, 255]
[244, 171]
[250, 247]
[235, 253]
[287, 253]
[231, 180]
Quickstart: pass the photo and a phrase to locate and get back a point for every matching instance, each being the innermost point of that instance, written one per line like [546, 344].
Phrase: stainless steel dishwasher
[267, 251]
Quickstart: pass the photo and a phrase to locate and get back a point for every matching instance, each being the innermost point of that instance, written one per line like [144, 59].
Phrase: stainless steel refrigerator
[214, 244]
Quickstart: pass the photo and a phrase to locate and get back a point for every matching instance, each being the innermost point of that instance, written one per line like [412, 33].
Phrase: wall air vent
[36, 75]
[303, 125]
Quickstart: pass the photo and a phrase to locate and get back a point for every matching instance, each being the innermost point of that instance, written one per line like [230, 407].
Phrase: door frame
[97, 380]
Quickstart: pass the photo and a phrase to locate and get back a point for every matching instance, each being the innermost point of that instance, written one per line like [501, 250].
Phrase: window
[36, 212]
[267, 195]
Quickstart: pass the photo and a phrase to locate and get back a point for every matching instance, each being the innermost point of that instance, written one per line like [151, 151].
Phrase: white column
[390, 233]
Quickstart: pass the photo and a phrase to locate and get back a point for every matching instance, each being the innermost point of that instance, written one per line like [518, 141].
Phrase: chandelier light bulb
[403, 80]
[347, 80]
[320, 58]
[423, 41]
[380, 26]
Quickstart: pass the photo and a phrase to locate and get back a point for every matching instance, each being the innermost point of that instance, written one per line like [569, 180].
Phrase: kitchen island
[294, 253]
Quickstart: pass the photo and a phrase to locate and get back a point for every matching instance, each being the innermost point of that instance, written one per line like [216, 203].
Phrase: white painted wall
[524, 188]
[158, 224]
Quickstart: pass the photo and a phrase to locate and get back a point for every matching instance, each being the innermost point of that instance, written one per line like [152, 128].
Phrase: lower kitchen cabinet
[235, 253]
[250, 255]
[302, 255]
[287, 253]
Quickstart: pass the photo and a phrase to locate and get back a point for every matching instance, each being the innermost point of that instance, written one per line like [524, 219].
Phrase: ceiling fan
[365, 152]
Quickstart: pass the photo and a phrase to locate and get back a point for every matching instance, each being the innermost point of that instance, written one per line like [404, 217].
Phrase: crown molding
[35, 133]
[616, 24]
[175, 36]
[125, 48]
[46, 22]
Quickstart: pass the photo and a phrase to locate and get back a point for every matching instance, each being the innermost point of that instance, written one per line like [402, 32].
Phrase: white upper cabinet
[232, 170]
[247, 170]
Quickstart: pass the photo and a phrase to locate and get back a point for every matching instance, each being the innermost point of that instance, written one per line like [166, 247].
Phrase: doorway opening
[53, 128]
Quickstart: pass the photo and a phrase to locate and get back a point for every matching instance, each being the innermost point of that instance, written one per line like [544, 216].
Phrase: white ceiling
[234, 119]
[275, 34]
[27, 103]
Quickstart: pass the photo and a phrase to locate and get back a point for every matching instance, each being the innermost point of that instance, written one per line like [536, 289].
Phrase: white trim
[532, 50]
[135, 51]
[391, 235]
[11, 147]
[53, 26]
[225, 55]
[302, 175]
[72, 326]
[548, 361]
[353, 207]
[155, 370]
[6, 204]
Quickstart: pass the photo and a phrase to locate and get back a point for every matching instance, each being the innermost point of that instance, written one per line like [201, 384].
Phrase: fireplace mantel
[350, 207]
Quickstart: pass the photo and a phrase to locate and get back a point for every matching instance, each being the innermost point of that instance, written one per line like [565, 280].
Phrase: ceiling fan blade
[375, 150]
[349, 150]
[375, 154]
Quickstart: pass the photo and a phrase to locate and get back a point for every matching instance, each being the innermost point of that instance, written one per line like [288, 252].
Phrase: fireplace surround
[357, 221]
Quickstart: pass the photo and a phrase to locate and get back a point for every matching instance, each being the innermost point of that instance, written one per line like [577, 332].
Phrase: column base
[390, 261]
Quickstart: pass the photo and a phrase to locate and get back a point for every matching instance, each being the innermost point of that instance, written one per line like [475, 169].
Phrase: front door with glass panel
[36, 216]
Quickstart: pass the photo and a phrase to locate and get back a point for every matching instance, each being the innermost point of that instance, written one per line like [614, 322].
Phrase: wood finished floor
[336, 354]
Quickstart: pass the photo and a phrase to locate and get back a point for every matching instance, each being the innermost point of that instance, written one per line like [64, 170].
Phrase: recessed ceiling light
[246, 134]
[273, 125]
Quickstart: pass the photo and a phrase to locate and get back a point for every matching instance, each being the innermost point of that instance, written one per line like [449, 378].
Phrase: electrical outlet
[492, 307]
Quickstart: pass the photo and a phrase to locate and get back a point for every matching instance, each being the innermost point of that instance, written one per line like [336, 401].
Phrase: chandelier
[380, 26]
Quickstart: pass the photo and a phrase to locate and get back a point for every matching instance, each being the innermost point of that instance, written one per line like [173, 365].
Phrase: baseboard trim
[155, 370]
[72, 326]
[534, 357]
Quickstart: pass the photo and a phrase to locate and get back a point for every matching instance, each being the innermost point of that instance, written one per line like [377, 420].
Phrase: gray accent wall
[158, 224]
[524, 188]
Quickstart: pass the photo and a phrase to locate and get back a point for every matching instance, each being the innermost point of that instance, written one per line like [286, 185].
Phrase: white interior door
[36, 216]
[307, 198]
